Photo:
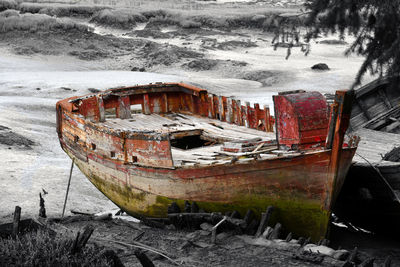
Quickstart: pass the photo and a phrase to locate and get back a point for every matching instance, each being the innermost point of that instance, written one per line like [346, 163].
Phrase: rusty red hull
[140, 177]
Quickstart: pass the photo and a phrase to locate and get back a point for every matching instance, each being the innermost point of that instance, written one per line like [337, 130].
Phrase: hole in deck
[110, 113]
[137, 108]
[189, 142]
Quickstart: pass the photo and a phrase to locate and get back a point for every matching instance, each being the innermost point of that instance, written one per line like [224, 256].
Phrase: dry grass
[120, 18]
[7, 4]
[43, 249]
[13, 21]
[60, 10]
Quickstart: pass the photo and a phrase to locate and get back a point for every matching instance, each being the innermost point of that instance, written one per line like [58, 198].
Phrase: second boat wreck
[147, 146]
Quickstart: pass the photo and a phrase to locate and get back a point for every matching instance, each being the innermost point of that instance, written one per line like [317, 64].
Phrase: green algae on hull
[304, 217]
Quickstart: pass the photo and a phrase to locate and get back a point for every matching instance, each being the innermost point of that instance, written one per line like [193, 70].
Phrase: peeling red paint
[143, 159]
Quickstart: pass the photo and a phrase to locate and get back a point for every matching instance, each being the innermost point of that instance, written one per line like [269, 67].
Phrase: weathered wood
[384, 98]
[276, 232]
[332, 125]
[289, 237]
[256, 115]
[81, 240]
[194, 208]
[173, 208]
[239, 113]
[124, 110]
[367, 263]
[364, 108]
[103, 217]
[264, 220]
[146, 104]
[221, 108]
[82, 213]
[229, 113]
[211, 112]
[249, 216]
[100, 103]
[143, 259]
[17, 218]
[247, 115]
[214, 229]
[187, 207]
[42, 209]
[251, 228]
[165, 103]
[112, 258]
[267, 233]
[267, 119]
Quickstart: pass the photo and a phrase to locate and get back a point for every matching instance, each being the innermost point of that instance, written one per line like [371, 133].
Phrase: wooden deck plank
[374, 144]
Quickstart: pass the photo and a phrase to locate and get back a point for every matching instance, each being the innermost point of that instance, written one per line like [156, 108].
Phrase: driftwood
[367, 263]
[81, 213]
[144, 260]
[140, 246]
[112, 257]
[276, 232]
[214, 229]
[264, 221]
[81, 240]
[251, 229]
[194, 208]
[103, 217]
[174, 208]
[289, 237]
[187, 207]
[42, 209]
[193, 220]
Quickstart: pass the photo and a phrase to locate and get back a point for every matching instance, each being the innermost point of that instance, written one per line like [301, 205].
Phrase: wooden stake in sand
[17, 217]
[69, 182]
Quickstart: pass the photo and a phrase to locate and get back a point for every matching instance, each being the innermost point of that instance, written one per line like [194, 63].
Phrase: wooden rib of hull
[299, 187]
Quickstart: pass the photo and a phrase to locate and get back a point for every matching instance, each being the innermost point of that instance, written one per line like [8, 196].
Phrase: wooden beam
[256, 115]
[100, 102]
[146, 104]
[248, 118]
[239, 112]
[267, 119]
[384, 98]
[364, 109]
[221, 109]
[229, 115]
[211, 111]
[124, 107]
[165, 103]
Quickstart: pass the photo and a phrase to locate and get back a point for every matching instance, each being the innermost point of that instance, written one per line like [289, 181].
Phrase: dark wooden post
[264, 220]
[344, 100]
[17, 218]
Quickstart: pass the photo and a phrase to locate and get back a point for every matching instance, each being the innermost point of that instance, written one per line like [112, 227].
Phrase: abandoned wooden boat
[147, 146]
[371, 194]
